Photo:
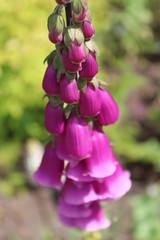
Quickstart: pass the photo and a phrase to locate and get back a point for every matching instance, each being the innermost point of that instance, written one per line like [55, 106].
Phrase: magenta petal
[89, 67]
[100, 163]
[54, 37]
[79, 172]
[79, 17]
[84, 192]
[54, 119]
[69, 222]
[50, 84]
[68, 90]
[78, 137]
[89, 103]
[50, 171]
[109, 113]
[69, 66]
[73, 211]
[95, 222]
[87, 29]
[119, 183]
[77, 54]
[61, 149]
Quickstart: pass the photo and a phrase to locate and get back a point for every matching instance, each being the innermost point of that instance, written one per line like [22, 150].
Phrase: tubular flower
[50, 84]
[77, 109]
[78, 137]
[50, 171]
[89, 67]
[68, 90]
[54, 119]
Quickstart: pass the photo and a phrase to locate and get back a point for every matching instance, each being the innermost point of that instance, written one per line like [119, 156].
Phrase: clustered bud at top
[77, 109]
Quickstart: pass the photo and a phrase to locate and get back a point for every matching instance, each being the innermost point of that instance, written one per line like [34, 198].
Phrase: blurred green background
[128, 35]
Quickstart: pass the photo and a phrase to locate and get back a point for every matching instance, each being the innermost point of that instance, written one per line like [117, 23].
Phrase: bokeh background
[128, 35]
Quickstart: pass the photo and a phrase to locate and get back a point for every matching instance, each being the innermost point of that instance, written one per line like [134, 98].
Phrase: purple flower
[109, 113]
[117, 184]
[89, 67]
[100, 163]
[78, 137]
[68, 90]
[77, 53]
[50, 84]
[95, 222]
[60, 2]
[54, 119]
[73, 211]
[89, 103]
[69, 66]
[87, 29]
[50, 171]
[84, 192]
[79, 172]
[61, 149]
[54, 37]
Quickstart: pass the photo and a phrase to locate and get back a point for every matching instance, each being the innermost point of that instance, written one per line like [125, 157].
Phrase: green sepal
[60, 72]
[57, 62]
[56, 23]
[77, 6]
[82, 84]
[70, 76]
[50, 57]
[68, 110]
[92, 46]
[55, 101]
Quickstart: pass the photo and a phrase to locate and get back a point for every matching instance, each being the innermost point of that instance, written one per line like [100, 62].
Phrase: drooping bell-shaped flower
[118, 184]
[68, 90]
[87, 29]
[61, 150]
[89, 103]
[55, 28]
[100, 163]
[79, 8]
[77, 53]
[109, 113]
[54, 119]
[50, 171]
[89, 67]
[84, 192]
[78, 137]
[73, 211]
[95, 222]
[68, 65]
[50, 84]
[79, 172]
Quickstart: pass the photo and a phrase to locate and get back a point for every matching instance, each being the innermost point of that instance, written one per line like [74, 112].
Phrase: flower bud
[89, 67]
[50, 84]
[89, 103]
[79, 8]
[77, 54]
[109, 113]
[87, 29]
[68, 90]
[54, 119]
[55, 27]
[78, 137]
[68, 65]
[50, 171]
[100, 163]
[60, 2]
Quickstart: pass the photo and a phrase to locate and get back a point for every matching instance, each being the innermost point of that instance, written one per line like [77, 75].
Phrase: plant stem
[68, 10]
